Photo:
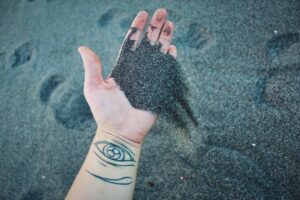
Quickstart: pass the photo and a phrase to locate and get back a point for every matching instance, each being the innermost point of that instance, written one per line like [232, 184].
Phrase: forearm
[109, 171]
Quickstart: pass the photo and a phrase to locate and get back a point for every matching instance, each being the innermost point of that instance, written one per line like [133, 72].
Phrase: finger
[92, 67]
[166, 36]
[156, 25]
[139, 24]
[172, 51]
[136, 28]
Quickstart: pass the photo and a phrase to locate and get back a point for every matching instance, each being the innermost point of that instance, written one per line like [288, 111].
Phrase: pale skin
[117, 120]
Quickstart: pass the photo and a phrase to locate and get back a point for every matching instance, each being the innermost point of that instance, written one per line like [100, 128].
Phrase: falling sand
[152, 80]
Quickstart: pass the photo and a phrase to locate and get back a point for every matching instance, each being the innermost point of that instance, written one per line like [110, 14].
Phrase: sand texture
[242, 67]
[153, 81]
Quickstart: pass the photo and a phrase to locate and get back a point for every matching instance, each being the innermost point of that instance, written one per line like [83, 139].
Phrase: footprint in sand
[105, 19]
[48, 86]
[71, 109]
[280, 87]
[22, 55]
[195, 38]
[280, 43]
[192, 36]
[67, 104]
[198, 36]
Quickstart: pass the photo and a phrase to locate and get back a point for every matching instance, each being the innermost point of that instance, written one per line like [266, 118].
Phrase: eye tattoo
[115, 154]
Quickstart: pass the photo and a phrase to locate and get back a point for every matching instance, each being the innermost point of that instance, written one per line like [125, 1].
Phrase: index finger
[135, 31]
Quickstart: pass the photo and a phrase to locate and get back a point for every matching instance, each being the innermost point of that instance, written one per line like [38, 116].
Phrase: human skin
[121, 128]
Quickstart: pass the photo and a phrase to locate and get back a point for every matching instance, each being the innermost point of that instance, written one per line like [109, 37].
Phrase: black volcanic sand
[242, 65]
[152, 80]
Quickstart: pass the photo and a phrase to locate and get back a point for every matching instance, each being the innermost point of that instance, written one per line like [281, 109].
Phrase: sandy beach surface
[242, 63]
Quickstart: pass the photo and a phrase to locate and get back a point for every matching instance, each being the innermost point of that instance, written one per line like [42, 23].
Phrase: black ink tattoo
[100, 161]
[126, 180]
[115, 154]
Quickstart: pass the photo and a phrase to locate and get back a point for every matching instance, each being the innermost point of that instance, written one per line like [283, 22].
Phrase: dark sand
[241, 61]
[153, 81]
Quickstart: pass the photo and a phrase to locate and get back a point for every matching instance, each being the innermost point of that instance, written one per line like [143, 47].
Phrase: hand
[109, 105]
[110, 108]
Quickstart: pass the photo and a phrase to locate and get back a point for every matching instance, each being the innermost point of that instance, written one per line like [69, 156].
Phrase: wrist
[111, 165]
[129, 134]
[112, 156]
[108, 134]
[114, 150]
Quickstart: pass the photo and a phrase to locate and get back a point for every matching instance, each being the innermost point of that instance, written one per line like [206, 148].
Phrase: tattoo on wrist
[114, 153]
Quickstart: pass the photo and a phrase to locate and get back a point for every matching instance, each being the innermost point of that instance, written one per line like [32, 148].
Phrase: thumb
[92, 67]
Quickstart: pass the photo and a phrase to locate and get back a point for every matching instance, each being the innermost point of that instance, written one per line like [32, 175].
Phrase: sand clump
[152, 80]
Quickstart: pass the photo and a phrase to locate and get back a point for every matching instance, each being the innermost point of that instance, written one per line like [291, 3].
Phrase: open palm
[108, 103]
